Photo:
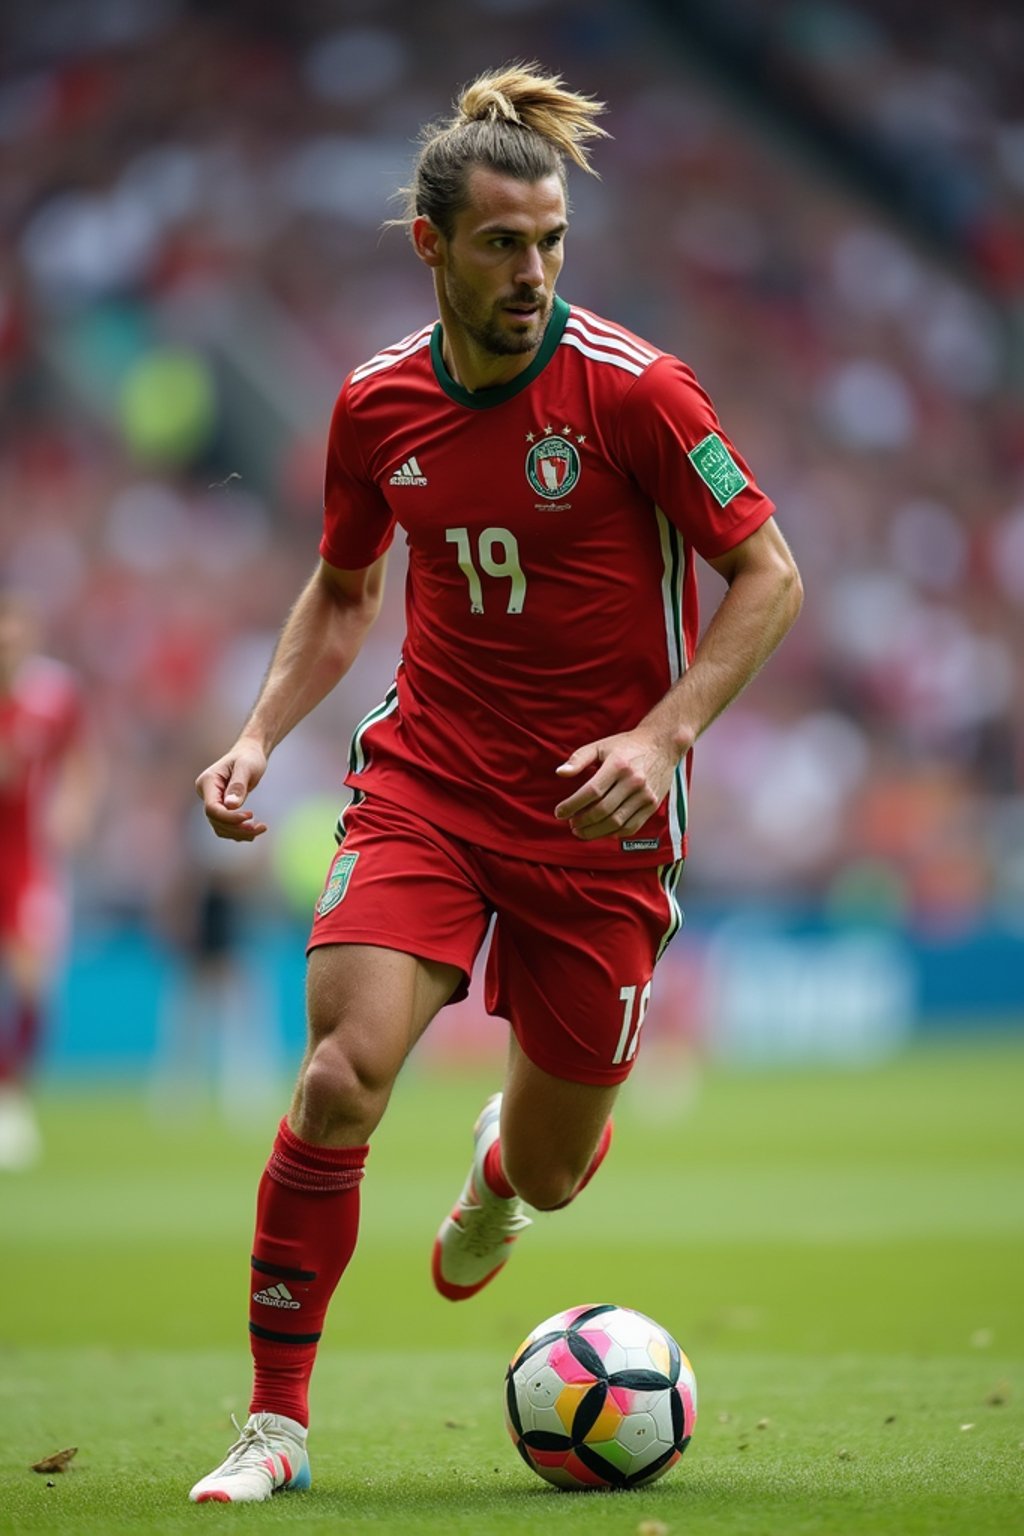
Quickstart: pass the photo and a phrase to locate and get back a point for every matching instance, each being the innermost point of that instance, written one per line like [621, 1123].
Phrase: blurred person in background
[555, 475]
[217, 1029]
[48, 791]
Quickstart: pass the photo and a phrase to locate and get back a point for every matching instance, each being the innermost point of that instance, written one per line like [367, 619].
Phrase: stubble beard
[488, 332]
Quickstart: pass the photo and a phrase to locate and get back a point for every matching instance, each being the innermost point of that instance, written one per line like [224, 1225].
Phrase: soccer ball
[600, 1397]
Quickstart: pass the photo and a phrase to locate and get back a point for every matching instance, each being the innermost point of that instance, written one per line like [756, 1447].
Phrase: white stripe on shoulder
[570, 339]
[391, 355]
[400, 346]
[606, 334]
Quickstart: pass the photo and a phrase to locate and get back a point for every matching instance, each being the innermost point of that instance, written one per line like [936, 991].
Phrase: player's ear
[428, 241]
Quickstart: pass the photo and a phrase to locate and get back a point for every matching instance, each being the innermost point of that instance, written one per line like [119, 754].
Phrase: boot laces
[251, 1446]
[489, 1223]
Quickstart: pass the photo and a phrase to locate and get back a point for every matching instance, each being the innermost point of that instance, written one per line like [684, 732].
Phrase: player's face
[502, 261]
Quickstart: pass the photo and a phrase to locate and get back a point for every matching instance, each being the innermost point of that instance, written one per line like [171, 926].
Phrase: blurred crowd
[923, 106]
[192, 256]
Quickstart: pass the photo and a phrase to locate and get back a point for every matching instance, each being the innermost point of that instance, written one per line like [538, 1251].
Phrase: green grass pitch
[841, 1255]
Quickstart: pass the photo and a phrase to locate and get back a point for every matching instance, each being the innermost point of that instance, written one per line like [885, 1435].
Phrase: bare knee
[546, 1185]
[341, 1094]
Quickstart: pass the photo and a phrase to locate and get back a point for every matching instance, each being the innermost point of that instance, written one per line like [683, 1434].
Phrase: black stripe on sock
[283, 1338]
[281, 1271]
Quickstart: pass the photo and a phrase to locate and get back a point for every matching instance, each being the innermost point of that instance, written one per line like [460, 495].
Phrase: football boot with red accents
[476, 1240]
[268, 1457]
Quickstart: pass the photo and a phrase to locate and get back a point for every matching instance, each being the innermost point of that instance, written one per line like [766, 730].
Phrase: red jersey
[551, 595]
[40, 720]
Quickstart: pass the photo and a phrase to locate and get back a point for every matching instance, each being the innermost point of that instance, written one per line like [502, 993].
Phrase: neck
[470, 364]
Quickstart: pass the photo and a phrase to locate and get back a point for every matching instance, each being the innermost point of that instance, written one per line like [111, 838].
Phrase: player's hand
[224, 788]
[632, 775]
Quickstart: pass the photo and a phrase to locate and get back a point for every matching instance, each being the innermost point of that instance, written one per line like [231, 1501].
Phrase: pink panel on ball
[626, 1398]
[562, 1360]
[570, 1315]
[597, 1339]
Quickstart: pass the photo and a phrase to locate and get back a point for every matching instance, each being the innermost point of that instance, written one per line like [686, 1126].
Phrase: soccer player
[48, 785]
[555, 477]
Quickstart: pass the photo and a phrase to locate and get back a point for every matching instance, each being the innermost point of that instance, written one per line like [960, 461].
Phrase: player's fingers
[210, 786]
[244, 831]
[223, 815]
[589, 794]
[606, 808]
[629, 816]
[613, 784]
[583, 757]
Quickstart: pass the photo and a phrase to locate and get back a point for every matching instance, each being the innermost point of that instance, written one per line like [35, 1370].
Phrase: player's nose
[531, 268]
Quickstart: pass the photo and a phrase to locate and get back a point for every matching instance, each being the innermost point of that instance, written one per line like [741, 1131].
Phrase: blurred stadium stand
[818, 205]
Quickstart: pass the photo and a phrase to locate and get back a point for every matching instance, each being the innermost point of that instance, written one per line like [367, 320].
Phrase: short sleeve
[673, 445]
[358, 523]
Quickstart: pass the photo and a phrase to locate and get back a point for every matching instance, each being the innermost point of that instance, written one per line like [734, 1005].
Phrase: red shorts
[572, 951]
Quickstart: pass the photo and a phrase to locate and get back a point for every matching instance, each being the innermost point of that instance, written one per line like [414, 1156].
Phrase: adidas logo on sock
[277, 1296]
[409, 474]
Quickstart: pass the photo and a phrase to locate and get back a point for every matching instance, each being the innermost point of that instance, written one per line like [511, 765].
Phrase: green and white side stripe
[358, 753]
[672, 607]
[669, 876]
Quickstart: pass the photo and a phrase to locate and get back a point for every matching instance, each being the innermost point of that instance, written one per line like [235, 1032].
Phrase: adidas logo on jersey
[277, 1296]
[409, 474]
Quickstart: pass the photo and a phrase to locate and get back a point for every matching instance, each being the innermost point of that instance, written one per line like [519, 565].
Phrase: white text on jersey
[409, 474]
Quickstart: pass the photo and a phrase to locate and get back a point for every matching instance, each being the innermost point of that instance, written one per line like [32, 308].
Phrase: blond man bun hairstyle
[515, 120]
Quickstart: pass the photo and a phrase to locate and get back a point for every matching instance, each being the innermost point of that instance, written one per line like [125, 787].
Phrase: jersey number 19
[497, 555]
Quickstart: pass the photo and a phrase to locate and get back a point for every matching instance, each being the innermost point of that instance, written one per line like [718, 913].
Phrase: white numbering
[629, 1039]
[497, 555]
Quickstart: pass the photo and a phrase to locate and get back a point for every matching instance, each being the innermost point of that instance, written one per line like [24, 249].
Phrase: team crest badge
[553, 467]
[337, 882]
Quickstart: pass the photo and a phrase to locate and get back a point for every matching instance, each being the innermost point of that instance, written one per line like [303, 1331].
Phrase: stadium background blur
[819, 205]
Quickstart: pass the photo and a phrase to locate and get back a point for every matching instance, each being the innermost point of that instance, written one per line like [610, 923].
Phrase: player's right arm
[319, 642]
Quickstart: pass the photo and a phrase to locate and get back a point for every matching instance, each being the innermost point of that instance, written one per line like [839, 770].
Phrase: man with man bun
[554, 476]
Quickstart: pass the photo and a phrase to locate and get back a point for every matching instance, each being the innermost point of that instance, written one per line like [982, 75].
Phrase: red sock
[19, 1040]
[307, 1219]
[494, 1173]
[28, 1025]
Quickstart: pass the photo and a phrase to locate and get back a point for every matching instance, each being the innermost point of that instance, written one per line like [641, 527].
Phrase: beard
[489, 329]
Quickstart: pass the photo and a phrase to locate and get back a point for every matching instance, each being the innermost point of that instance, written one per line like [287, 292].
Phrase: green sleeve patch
[718, 469]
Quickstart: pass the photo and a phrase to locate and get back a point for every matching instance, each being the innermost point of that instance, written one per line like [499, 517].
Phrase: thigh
[571, 964]
[367, 1006]
[400, 884]
[374, 1002]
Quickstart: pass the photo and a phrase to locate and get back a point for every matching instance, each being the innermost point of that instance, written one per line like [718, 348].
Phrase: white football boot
[268, 1457]
[475, 1241]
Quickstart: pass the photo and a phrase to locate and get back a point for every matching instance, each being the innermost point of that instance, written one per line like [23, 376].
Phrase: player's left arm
[632, 770]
